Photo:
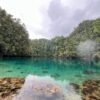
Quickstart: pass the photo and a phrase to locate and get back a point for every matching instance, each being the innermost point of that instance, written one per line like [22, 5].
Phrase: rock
[52, 89]
[88, 72]
[76, 87]
[96, 57]
[48, 89]
[91, 90]
[56, 75]
[9, 87]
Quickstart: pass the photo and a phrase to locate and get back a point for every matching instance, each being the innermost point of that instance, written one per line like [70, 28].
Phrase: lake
[75, 71]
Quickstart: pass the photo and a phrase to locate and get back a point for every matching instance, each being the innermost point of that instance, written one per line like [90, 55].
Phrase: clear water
[75, 71]
[40, 88]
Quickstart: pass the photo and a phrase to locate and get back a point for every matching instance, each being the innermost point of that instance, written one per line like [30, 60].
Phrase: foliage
[67, 46]
[41, 47]
[13, 36]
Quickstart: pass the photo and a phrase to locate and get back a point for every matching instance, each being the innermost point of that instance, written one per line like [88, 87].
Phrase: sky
[50, 18]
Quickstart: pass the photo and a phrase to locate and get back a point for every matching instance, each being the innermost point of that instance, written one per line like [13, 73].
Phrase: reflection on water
[75, 71]
[46, 88]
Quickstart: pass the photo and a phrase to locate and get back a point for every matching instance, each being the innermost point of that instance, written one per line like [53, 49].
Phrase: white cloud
[48, 18]
[29, 11]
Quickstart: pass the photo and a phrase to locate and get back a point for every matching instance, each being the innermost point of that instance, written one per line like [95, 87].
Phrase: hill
[67, 46]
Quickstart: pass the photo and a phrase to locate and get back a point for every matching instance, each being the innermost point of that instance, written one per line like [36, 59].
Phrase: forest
[14, 39]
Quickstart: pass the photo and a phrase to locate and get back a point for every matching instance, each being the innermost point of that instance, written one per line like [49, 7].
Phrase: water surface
[71, 70]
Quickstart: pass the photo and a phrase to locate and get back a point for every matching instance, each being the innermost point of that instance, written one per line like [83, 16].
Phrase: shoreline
[9, 87]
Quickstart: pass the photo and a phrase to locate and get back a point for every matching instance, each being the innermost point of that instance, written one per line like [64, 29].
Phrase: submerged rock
[21, 72]
[9, 71]
[91, 90]
[9, 87]
[88, 72]
[18, 68]
[76, 87]
[55, 75]
[45, 71]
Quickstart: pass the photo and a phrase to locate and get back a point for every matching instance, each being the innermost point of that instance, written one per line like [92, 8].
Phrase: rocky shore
[9, 87]
[91, 90]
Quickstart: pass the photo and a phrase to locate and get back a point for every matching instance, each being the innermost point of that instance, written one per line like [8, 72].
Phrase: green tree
[13, 36]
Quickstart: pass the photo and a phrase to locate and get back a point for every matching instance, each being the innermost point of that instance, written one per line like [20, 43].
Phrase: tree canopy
[13, 36]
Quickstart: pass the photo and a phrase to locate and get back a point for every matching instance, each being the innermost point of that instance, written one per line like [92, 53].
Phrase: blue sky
[50, 18]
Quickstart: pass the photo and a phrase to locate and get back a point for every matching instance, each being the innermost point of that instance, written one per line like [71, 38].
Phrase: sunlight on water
[46, 88]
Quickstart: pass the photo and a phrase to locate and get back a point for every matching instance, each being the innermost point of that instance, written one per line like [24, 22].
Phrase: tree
[13, 36]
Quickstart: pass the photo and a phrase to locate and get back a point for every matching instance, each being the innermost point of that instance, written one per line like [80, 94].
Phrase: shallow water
[75, 71]
[46, 88]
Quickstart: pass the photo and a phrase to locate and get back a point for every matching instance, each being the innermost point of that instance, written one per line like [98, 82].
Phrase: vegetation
[40, 48]
[13, 36]
[14, 39]
[67, 46]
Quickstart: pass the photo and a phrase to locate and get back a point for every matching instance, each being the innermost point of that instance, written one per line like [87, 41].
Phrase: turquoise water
[71, 70]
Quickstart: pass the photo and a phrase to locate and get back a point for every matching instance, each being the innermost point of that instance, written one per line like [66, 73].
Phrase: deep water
[74, 71]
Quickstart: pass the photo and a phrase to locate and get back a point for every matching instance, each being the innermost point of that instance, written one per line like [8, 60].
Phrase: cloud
[65, 17]
[49, 18]
[29, 11]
